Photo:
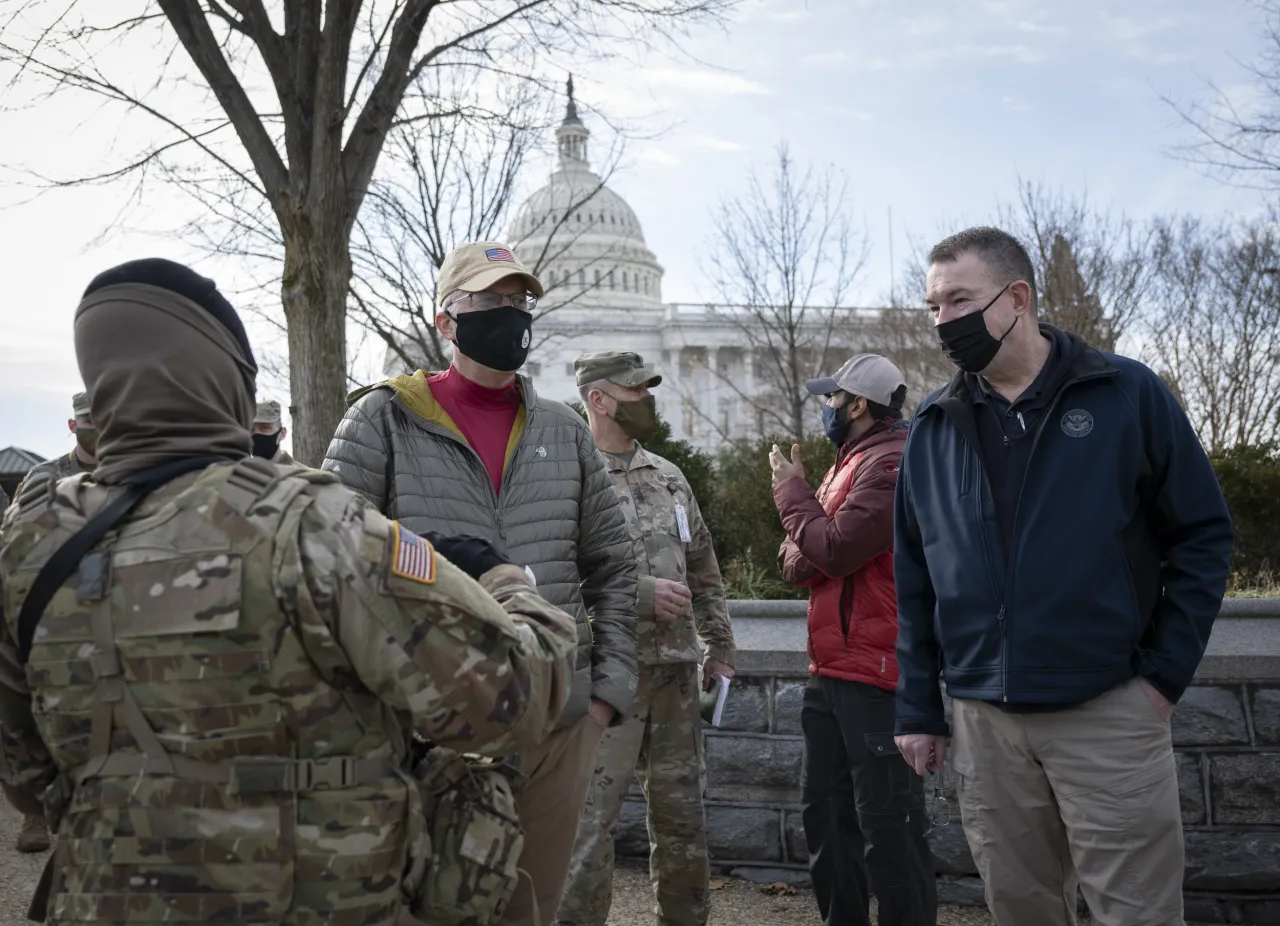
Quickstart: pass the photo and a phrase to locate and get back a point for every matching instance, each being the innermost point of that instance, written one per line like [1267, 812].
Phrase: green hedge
[1250, 480]
[736, 497]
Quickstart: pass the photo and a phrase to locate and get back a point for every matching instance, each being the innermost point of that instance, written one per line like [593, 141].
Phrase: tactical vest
[212, 766]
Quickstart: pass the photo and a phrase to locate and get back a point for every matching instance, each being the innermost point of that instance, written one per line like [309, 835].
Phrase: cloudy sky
[932, 108]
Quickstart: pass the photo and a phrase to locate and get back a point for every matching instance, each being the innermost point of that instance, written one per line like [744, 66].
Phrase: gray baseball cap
[871, 376]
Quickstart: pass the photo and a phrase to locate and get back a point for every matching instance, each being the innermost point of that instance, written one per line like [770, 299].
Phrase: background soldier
[269, 432]
[81, 457]
[34, 835]
[223, 680]
[680, 598]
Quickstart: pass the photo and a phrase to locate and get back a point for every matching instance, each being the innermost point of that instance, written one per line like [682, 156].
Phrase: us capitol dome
[583, 238]
[604, 292]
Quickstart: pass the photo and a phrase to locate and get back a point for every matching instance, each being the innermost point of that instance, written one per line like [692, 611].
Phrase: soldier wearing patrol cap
[81, 458]
[34, 835]
[268, 432]
[681, 614]
[229, 657]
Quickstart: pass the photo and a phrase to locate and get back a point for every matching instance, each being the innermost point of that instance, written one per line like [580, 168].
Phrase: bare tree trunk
[317, 271]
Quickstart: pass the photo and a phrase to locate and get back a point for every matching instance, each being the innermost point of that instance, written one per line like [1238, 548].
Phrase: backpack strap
[69, 556]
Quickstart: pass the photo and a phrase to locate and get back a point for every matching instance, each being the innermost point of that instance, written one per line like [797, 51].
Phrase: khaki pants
[550, 806]
[1087, 795]
[661, 742]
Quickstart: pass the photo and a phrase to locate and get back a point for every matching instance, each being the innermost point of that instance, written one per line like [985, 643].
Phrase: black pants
[864, 814]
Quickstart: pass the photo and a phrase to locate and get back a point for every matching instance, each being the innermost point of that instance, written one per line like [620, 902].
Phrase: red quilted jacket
[840, 545]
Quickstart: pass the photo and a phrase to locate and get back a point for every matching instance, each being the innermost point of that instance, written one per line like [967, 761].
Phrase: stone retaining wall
[1226, 732]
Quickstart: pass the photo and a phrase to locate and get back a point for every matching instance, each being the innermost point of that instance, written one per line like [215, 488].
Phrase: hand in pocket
[1159, 703]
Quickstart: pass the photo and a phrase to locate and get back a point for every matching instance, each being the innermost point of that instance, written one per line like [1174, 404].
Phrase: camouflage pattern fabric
[58, 468]
[652, 492]
[270, 635]
[282, 458]
[660, 742]
[475, 836]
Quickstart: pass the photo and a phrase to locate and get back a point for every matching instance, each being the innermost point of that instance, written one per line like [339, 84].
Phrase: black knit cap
[180, 279]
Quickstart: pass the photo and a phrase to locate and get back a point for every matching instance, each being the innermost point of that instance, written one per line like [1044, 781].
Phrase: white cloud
[922, 59]
[1128, 28]
[709, 82]
[826, 59]
[659, 156]
[1014, 105]
[918, 26]
[715, 144]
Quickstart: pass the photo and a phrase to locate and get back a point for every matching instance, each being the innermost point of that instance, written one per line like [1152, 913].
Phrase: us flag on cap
[413, 558]
[499, 254]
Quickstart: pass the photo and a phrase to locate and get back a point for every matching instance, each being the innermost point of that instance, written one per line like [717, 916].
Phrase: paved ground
[734, 902]
[18, 873]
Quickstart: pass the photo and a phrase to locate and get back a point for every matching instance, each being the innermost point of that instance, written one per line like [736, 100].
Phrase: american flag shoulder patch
[499, 254]
[412, 556]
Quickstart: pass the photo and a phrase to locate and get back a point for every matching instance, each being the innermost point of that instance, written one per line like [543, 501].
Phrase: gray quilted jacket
[557, 514]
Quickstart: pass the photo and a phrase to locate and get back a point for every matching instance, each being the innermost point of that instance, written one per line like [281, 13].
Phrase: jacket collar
[642, 459]
[1080, 362]
[882, 432]
[414, 393]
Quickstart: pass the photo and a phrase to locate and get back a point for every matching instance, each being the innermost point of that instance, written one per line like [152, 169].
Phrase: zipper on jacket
[1004, 658]
[1011, 565]
[484, 472]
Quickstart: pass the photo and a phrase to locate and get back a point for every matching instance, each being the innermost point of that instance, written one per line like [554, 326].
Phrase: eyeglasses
[940, 808]
[483, 302]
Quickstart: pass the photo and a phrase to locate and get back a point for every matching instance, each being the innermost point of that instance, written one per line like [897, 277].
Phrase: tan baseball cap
[871, 376]
[80, 404]
[475, 267]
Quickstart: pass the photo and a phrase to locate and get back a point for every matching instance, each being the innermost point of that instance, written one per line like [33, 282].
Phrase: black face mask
[967, 342]
[266, 445]
[496, 338]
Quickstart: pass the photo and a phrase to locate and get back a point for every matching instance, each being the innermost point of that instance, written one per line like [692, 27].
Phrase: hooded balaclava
[169, 368]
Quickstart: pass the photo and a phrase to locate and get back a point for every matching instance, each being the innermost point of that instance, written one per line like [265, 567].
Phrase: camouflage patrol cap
[268, 413]
[80, 404]
[620, 367]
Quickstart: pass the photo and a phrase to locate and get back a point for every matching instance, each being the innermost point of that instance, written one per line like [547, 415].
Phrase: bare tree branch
[785, 259]
[1216, 336]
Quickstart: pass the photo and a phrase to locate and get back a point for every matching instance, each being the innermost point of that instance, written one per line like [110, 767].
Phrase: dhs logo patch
[1077, 423]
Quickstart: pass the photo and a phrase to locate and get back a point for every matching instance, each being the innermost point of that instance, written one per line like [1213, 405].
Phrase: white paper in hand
[711, 703]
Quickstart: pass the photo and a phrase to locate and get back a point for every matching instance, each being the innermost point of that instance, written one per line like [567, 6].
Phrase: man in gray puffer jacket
[474, 452]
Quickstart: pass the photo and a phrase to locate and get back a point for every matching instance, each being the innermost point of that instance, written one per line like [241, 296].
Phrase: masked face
[835, 421]
[497, 332]
[637, 417]
[967, 342]
[87, 438]
[266, 445]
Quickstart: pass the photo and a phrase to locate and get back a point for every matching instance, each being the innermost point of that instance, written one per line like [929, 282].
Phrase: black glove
[472, 555]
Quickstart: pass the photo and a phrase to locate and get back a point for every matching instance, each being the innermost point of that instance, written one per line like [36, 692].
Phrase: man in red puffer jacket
[864, 814]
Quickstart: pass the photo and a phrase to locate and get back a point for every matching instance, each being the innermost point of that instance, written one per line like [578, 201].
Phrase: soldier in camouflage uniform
[34, 835]
[81, 457]
[214, 708]
[268, 433]
[680, 599]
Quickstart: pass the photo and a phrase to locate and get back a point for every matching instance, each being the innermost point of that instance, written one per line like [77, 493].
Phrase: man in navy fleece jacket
[1061, 551]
